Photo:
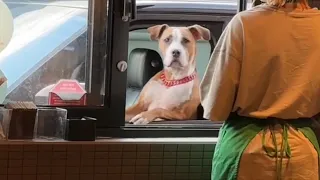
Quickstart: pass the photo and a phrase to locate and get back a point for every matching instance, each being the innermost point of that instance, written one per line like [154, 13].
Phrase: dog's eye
[185, 40]
[166, 40]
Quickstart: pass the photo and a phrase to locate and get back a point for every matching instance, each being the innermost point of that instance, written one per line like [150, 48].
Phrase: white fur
[163, 97]
[176, 45]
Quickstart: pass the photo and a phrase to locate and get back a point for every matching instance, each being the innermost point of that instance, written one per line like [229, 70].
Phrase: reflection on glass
[49, 44]
[146, 104]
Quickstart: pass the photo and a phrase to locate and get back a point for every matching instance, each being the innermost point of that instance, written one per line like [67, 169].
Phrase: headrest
[6, 25]
[142, 65]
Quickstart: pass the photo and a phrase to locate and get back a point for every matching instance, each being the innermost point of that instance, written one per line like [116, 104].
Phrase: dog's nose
[175, 53]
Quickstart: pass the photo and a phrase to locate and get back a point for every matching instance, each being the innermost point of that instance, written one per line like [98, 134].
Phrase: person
[263, 81]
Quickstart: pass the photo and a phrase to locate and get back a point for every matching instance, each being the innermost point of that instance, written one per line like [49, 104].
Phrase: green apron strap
[276, 153]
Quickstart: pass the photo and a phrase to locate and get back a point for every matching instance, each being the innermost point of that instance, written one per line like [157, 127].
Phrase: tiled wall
[105, 161]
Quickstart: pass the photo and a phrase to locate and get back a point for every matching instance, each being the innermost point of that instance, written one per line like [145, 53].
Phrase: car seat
[143, 64]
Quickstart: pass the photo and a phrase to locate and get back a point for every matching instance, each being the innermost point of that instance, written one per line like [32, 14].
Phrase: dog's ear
[156, 31]
[200, 32]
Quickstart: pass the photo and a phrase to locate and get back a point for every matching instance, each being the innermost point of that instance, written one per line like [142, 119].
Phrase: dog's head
[178, 44]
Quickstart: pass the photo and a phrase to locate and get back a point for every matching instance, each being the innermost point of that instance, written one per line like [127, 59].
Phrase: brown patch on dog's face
[178, 44]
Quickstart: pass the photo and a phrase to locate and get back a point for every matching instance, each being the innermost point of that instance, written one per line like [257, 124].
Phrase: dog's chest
[164, 97]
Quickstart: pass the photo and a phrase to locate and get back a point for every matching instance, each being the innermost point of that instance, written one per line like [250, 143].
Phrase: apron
[268, 149]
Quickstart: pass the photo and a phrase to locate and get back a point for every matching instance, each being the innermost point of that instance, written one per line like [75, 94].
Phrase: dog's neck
[176, 74]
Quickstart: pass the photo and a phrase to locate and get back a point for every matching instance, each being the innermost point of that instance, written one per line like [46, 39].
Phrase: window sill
[203, 140]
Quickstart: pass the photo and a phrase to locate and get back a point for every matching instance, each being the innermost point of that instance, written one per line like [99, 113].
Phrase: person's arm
[219, 84]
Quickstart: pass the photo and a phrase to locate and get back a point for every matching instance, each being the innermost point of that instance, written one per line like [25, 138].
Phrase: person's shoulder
[252, 16]
[254, 12]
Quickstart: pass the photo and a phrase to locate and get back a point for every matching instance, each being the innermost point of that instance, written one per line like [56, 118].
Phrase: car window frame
[122, 131]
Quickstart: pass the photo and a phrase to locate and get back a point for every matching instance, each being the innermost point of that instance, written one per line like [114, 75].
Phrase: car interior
[144, 61]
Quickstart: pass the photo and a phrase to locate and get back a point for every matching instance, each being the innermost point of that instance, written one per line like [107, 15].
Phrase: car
[49, 41]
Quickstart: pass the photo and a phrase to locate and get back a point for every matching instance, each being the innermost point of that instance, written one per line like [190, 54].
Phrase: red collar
[170, 83]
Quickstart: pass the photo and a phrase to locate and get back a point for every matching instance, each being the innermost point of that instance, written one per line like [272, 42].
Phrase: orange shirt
[265, 64]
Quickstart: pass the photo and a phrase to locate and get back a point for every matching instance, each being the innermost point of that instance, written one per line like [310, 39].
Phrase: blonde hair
[279, 3]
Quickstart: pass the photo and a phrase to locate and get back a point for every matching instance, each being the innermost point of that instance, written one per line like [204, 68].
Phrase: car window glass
[45, 59]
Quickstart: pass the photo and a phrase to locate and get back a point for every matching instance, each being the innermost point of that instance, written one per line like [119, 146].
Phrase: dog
[173, 93]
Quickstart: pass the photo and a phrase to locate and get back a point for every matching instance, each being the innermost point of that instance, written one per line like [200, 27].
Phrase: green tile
[183, 162]
[127, 176]
[156, 162]
[156, 155]
[142, 162]
[194, 176]
[143, 155]
[129, 155]
[181, 176]
[111, 176]
[139, 177]
[197, 147]
[170, 155]
[155, 176]
[115, 148]
[206, 169]
[128, 169]
[143, 147]
[196, 155]
[99, 170]
[195, 169]
[114, 169]
[101, 147]
[209, 147]
[128, 162]
[141, 169]
[113, 162]
[115, 155]
[183, 155]
[206, 176]
[170, 147]
[101, 155]
[155, 169]
[182, 169]
[168, 176]
[74, 147]
[157, 147]
[196, 162]
[207, 162]
[169, 169]
[129, 148]
[106, 162]
[169, 162]
[207, 155]
[42, 148]
[184, 147]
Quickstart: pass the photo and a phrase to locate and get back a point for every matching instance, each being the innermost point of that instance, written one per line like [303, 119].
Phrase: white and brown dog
[173, 93]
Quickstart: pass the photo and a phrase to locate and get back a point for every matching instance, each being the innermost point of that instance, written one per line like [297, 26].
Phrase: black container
[22, 123]
[81, 129]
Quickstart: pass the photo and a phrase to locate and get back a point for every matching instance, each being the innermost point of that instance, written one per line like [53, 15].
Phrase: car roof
[163, 5]
[190, 4]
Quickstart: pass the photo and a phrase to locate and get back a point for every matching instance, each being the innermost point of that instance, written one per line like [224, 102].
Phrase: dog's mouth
[175, 63]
